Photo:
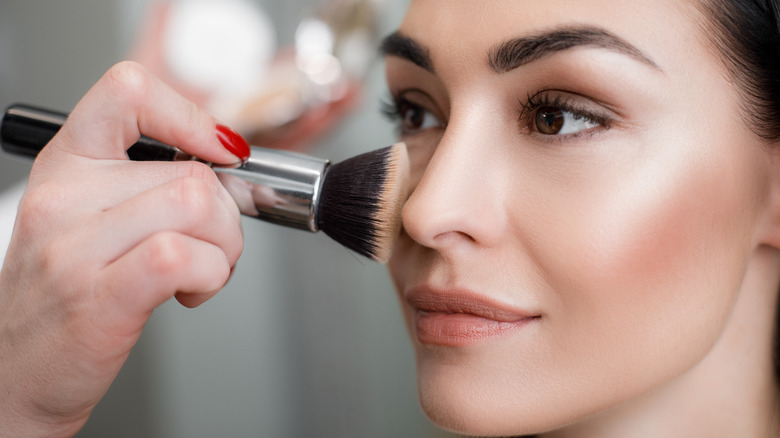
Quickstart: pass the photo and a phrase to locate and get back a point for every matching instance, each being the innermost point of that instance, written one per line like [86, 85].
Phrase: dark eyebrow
[397, 44]
[520, 51]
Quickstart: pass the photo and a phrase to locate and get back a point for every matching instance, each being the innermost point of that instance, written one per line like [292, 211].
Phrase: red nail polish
[233, 142]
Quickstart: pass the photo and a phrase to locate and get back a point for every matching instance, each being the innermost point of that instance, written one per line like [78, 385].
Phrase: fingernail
[233, 142]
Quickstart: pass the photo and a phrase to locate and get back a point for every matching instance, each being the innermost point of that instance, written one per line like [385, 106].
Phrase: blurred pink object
[290, 98]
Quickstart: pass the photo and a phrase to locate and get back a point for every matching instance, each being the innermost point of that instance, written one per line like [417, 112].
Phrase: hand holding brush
[100, 241]
[356, 202]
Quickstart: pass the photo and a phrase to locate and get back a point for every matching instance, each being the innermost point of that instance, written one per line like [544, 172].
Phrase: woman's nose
[458, 200]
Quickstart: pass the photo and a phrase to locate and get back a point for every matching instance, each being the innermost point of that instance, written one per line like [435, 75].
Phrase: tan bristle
[392, 201]
[361, 200]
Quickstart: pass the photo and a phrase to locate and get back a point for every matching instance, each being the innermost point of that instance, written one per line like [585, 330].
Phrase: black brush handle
[26, 129]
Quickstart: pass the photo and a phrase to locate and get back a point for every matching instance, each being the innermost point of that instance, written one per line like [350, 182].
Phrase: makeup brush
[356, 202]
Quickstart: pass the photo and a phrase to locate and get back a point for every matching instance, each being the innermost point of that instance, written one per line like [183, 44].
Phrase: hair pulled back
[746, 35]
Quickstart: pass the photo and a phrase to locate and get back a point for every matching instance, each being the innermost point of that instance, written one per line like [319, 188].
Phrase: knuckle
[194, 198]
[38, 206]
[197, 170]
[128, 80]
[167, 253]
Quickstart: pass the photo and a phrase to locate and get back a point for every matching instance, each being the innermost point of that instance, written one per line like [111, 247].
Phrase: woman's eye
[409, 117]
[551, 120]
[414, 118]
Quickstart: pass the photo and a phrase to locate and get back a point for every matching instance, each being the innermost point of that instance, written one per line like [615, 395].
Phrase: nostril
[453, 200]
[433, 222]
[441, 216]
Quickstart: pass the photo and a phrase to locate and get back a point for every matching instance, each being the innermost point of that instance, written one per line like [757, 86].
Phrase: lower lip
[462, 329]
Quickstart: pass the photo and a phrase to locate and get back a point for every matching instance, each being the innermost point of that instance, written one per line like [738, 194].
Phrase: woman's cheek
[653, 259]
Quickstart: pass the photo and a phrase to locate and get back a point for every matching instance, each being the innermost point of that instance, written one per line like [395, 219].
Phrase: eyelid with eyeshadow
[579, 106]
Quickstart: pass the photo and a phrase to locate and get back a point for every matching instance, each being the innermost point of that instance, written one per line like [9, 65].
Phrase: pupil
[415, 118]
[549, 120]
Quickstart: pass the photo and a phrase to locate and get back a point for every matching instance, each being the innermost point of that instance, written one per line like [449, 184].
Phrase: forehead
[458, 32]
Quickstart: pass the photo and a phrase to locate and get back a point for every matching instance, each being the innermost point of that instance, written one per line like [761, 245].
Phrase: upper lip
[432, 300]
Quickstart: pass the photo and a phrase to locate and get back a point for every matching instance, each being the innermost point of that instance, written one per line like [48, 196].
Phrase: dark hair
[746, 34]
[747, 38]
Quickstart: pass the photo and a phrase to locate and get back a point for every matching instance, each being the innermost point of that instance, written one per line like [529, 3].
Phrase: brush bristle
[361, 198]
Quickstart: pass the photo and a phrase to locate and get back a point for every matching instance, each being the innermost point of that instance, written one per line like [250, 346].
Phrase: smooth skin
[643, 236]
[100, 242]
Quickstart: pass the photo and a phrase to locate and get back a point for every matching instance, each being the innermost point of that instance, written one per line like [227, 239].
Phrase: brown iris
[549, 120]
[413, 117]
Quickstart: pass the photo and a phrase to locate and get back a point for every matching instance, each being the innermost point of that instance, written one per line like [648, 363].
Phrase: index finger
[128, 102]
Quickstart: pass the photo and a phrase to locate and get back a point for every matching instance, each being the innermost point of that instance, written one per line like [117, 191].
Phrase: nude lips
[460, 318]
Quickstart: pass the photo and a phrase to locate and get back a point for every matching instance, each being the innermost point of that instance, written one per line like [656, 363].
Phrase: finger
[121, 180]
[188, 206]
[161, 266]
[85, 205]
[128, 102]
[193, 299]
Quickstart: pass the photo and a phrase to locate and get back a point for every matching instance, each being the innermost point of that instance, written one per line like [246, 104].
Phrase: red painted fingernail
[233, 142]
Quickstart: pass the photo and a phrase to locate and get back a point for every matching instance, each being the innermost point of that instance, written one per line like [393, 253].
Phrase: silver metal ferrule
[277, 186]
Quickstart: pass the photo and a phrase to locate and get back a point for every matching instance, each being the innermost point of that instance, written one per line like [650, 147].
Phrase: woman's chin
[472, 412]
[470, 423]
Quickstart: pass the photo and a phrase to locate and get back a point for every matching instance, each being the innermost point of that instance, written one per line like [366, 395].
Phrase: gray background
[306, 339]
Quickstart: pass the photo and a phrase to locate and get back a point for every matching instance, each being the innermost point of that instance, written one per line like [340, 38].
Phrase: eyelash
[564, 103]
[390, 107]
[393, 107]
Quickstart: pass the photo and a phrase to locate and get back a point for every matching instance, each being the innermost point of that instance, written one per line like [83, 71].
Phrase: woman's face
[586, 196]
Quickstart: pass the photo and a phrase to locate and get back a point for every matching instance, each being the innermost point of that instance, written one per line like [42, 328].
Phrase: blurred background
[307, 338]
